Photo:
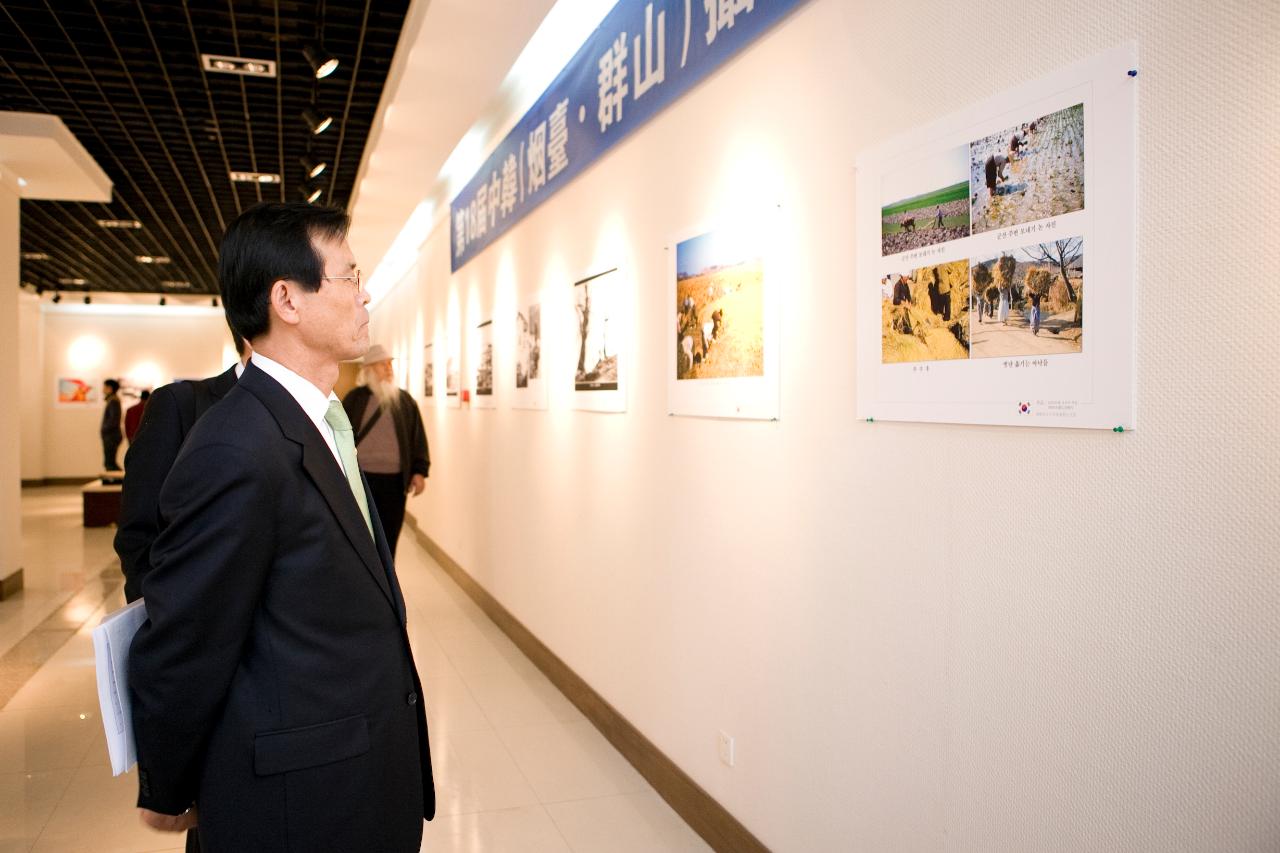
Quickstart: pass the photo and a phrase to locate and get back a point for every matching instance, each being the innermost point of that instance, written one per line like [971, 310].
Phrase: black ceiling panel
[125, 76]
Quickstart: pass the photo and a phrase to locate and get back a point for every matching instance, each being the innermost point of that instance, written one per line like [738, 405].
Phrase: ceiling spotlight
[214, 302]
[120, 223]
[87, 299]
[312, 192]
[255, 177]
[313, 166]
[162, 300]
[151, 259]
[57, 297]
[321, 61]
[35, 256]
[76, 281]
[315, 121]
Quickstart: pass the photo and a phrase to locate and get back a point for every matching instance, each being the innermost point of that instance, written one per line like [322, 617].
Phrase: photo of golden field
[719, 307]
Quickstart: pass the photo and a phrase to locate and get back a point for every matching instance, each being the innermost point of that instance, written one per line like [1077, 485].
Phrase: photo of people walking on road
[1029, 302]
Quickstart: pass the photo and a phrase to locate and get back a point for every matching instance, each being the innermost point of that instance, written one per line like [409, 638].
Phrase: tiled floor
[517, 767]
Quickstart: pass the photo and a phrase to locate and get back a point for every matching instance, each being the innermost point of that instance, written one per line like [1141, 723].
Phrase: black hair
[112, 384]
[145, 395]
[238, 340]
[268, 242]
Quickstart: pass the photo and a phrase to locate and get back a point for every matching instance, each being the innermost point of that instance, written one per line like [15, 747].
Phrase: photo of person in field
[1034, 170]
[925, 204]
[719, 319]
[924, 314]
[1029, 302]
[597, 302]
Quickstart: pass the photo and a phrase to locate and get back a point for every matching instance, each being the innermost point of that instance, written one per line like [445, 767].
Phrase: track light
[162, 301]
[87, 300]
[321, 61]
[315, 121]
[57, 297]
[313, 166]
[312, 192]
[214, 302]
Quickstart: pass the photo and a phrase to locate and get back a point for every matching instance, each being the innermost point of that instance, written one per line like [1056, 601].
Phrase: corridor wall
[922, 637]
[95, 342]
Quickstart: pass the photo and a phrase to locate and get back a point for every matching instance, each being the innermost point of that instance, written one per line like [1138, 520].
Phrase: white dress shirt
[309, 397]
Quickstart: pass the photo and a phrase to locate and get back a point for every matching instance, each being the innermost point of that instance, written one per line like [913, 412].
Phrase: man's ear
[284, 301]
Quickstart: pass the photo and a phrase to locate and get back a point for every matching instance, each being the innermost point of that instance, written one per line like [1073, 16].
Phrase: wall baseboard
[721, 830]
[57, 481]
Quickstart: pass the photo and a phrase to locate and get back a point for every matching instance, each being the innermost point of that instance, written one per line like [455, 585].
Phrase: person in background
[275, 700]
[110, 429]
[393, 445]
[170, 414]
[133, 417]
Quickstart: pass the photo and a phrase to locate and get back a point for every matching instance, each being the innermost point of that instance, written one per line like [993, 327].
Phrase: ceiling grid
[126, 78]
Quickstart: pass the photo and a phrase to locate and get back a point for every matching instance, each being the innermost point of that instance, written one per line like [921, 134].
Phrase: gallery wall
[922, 637]
[94, 342]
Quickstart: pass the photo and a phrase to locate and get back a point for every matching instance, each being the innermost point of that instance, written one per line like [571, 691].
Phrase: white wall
[10, 371]
[922, 637]
[31, 385]
[95, 342]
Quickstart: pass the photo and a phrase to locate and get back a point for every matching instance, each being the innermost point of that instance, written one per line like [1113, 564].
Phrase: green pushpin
[1118, 429]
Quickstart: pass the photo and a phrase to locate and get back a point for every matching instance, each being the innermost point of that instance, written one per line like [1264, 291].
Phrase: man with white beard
[392, 443]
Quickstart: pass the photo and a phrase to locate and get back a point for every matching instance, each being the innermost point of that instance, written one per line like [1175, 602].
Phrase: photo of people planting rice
[1031, 171]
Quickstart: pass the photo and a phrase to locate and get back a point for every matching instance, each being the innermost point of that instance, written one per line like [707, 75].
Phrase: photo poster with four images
[978, 239]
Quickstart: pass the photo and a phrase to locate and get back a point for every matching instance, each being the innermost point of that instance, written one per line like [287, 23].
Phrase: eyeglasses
[355, 278]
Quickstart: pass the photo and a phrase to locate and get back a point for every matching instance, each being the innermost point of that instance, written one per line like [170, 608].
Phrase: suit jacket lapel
[323, 469]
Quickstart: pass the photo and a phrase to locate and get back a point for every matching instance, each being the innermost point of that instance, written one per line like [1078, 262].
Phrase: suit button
[412, 699]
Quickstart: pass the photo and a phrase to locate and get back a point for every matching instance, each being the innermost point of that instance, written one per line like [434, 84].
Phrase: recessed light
[238, 65]
[119, 223]
[176, 285]
[35, 256]
[151, 259]
[255, 177]
[72, 281]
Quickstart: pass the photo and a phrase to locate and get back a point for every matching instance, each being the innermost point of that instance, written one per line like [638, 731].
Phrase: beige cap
[376, 354]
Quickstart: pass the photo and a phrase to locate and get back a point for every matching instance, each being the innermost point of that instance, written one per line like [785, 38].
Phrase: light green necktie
[345, 438]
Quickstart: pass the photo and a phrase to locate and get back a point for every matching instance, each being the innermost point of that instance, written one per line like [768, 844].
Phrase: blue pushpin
[1133, 72]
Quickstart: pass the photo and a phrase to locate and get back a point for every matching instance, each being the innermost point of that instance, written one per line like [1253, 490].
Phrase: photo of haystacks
[719, 320]
[484, 365]
[1031, 171]
[428, 371]
[925, 204]
[597, 303]
[924, 314]
[1030, 302]
[528, 345]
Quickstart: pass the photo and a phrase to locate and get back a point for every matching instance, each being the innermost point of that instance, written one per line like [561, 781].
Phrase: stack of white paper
[111, 641]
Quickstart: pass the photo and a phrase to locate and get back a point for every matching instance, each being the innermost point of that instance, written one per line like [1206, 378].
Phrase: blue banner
[645, 55]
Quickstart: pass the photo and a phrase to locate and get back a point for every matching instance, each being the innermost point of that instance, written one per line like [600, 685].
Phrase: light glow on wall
[402, 255]
[146, 374]
[87, 352]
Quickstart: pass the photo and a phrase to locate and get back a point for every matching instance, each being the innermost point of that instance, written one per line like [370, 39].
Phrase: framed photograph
[482, 379]
[530, 388]
[723, 359]
[981, 315]
[600, 327]
[429, 371]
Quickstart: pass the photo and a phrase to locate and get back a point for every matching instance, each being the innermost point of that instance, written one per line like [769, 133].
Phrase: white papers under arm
[111, 641]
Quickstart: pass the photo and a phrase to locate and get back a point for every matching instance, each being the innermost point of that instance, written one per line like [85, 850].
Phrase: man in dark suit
[110, 427]
[170, 413]
[275, 698]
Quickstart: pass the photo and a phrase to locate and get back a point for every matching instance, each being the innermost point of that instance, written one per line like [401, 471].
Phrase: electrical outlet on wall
[725, 742]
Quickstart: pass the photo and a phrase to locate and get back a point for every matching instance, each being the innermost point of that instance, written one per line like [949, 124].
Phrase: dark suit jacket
[170, 413]
[412, 438]
[110, 427]
[273, 683]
